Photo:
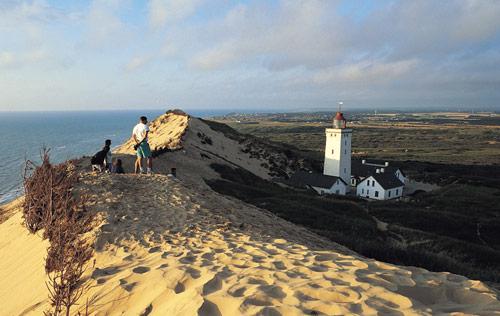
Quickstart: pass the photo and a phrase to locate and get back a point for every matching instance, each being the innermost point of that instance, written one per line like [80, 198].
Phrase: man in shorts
[140, 136]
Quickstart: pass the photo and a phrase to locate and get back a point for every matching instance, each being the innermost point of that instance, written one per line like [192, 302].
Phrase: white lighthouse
[338, 150]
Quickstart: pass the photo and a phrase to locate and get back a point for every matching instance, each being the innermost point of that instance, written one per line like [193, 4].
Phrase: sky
[222, 54]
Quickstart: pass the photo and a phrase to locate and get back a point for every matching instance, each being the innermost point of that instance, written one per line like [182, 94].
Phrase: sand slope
[165, 133]
[169, 248]
[22, 274]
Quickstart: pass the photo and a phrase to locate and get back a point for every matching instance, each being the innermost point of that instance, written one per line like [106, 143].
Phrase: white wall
[365, 190]
[394, 193]
[369, 191]
[339, 186]
[338, 153]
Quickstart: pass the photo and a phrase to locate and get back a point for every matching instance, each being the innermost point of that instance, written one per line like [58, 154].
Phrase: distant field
[433, 141]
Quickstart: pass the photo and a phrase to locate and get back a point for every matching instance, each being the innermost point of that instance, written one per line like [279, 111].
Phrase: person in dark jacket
[98, 161]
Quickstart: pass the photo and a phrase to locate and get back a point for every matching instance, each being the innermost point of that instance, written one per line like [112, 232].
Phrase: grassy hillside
[455, 228]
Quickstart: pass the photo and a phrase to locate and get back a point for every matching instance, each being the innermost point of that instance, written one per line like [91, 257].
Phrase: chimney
[363, 161]
[377, 170]
[387, 164]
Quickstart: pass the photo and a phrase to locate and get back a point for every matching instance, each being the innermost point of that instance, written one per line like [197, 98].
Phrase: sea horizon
[68, 135]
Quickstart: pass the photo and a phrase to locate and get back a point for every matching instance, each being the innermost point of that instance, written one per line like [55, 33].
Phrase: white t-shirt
[140, 131]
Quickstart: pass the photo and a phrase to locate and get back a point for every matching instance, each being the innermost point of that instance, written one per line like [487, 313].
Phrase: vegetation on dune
[50, 204]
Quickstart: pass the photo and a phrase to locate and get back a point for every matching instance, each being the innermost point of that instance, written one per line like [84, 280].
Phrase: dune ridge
[184, 250]
[165, 133]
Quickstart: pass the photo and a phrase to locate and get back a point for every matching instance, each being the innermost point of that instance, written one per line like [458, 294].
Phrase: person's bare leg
[150, 163]
[138, 164]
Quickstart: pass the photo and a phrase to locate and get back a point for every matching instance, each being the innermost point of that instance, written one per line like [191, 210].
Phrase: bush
[50, 204]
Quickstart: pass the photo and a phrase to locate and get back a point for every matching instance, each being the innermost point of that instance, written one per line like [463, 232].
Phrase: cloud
[137, 62]
[283, 52]
[105, 27]
[365, 72]
[162, 12]
[298, 33]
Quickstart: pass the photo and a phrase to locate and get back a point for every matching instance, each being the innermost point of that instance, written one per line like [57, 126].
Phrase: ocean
[67, 135]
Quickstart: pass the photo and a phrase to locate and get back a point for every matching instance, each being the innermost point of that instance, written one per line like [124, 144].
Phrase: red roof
[339, 117]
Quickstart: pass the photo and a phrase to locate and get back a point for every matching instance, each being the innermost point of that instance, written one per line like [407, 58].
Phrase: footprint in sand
[154, 249]
[238, 292]
[188, 259]
[214, 285]
[268, 311]
[162, 266]
[273, 291]
[179, 288]
[104, 272]
[147, 311]
[209, 309]
[141, 270]
[279, 265]
[127, 286]
[195, 274]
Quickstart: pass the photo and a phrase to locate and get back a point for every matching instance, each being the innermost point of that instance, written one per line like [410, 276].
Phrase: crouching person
[100, 160]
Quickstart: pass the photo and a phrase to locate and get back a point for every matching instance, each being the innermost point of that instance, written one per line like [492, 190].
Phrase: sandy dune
[167, 248]
[165, 134]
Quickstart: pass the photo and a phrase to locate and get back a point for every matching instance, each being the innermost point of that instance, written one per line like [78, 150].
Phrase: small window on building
[397, 192]
[373, 183]
[376, 193]
[337, 192]
[367, 191]
[362, 191]
[389, 193]
[368, 182]
[345, 151]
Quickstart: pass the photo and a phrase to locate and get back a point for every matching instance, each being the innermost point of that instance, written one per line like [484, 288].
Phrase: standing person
[140, 136]
[108, 162]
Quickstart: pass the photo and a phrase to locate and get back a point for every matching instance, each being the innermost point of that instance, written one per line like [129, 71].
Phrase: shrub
[51, 204]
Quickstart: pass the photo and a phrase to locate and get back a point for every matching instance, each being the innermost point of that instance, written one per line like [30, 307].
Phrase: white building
[380, 186]
[364, 168]
[338, 150]
[369, 179]
[320, 183]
